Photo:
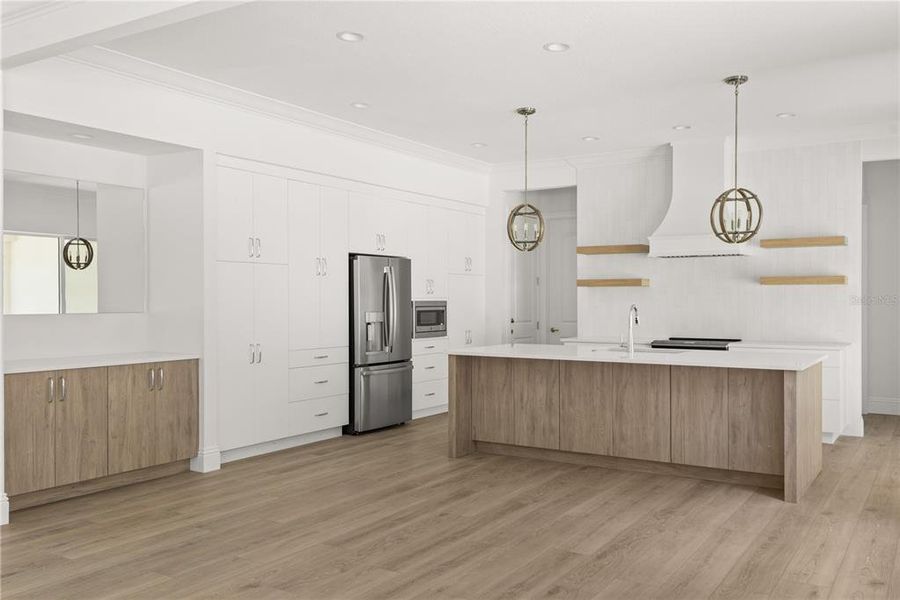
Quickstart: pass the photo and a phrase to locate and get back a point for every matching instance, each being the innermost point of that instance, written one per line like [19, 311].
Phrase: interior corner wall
[881, 195]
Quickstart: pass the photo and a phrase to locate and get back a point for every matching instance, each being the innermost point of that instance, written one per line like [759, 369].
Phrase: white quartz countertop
[746, 359]
[31, 365]
[744, 344]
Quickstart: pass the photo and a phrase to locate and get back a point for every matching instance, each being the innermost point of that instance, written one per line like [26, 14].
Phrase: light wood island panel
[641, 413]
[586, 407]
[700, 417]
[536, 392]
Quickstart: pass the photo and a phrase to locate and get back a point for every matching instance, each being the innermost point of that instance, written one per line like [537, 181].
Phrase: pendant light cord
[525, 195]
[77, 209]
[736, 86]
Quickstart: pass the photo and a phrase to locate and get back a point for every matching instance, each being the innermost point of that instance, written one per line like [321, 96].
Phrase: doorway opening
[544, 294]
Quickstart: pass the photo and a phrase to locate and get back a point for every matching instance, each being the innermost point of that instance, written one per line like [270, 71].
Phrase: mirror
[525, 227]
[40, 218]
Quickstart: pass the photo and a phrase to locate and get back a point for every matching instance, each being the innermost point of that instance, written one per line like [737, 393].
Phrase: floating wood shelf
[613, 283]
[805, 242]
[619, 249]
[805, 280]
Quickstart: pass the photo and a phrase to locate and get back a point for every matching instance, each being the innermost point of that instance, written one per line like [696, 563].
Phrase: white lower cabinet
[317, 414]
[465, 310]
[252, 350]
[429, 376]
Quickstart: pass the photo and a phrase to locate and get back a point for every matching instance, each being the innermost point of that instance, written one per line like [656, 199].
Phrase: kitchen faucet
[633, 319]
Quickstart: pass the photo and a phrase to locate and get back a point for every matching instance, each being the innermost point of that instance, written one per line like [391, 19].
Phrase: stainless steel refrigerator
[380, 342]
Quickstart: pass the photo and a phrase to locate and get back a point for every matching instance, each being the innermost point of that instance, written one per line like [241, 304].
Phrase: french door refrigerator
[380, 342]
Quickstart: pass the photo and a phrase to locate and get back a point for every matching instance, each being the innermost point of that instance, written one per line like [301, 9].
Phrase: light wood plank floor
[387, 515]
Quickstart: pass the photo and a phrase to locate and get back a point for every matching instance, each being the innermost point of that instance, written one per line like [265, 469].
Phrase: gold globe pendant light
[737, 213]
[525, 225]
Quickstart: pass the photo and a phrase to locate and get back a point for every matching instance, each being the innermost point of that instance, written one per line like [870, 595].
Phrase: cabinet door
[418, 251]
[586, 407]
[437, 250]
[82, 413]
[756, 421]
[234, 336]
[177, 408]
[394, 216]
[642, 412]
[475, 310]
[304, 264]
[458, 244]
[365, 224]
[270, 218]
[457, 306]
[132, 417]
[270, 373]
[700, 416]
[475, 243]
[493, 406]
[29, 416]
[234, 215]
[334, 286]
[536, 392]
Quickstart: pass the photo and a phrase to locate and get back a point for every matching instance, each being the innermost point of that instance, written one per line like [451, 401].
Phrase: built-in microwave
[429, 318]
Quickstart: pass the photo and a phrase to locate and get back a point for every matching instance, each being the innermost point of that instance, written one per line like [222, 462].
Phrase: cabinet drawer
[831, 383]
[429, 393]
[429, 346]
[318, 414]
[318, 356]
[318, 382]
[429, 367]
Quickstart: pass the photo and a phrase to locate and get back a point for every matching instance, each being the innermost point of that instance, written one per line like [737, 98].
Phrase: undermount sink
[645, 349]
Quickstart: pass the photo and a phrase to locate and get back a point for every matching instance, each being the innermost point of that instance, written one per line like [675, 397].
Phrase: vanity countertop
[31, 365]
[749, 359]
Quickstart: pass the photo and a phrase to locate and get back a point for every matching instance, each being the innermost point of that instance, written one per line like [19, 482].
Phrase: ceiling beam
[32, 31]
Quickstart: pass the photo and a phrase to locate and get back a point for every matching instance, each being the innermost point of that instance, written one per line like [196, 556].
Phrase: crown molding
[130, 67]
[33, 10]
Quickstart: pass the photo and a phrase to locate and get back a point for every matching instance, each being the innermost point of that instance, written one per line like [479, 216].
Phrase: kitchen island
[743, 417]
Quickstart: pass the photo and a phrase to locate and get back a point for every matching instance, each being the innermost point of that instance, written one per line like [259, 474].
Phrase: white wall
[881, 194]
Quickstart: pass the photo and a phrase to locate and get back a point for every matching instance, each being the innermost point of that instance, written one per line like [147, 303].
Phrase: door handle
[62, 389]
[162, 381]
[51, 393]
[250, 247]
[554, 330]
[324, 266]
[258, 248]
[152, 378]
[258, 354]
[318, 266]
[252, 354]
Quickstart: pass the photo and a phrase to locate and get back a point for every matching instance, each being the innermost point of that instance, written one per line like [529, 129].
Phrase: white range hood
[698, 177]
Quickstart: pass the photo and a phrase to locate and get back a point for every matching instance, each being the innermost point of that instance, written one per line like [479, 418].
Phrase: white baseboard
[282, 444]
[4, 509]
[207, 460]
[429, 412]
[854, 429]
[829, 437]
[881, 405]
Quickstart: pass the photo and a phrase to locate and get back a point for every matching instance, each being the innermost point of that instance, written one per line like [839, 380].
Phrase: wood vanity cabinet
[56, 428]
[153, 414]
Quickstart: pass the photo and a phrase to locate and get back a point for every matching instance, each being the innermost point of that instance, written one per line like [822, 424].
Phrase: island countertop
[745, 359]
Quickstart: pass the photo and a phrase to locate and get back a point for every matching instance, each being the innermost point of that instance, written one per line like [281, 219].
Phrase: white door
[335, 281]
[234, 336]
[270, 313]
[525, 308]
[558, 289]
[304, 264]
[270, 218]
[234, 215]
[437, 250]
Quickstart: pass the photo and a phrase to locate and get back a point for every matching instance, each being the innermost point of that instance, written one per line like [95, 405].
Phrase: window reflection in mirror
[40, 217]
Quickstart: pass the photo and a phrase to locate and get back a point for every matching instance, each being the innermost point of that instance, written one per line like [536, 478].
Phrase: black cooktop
[689, 343]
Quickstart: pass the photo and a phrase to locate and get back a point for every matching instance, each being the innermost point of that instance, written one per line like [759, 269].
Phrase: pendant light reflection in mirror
[737, 213]
[78, 253]
[525, 225]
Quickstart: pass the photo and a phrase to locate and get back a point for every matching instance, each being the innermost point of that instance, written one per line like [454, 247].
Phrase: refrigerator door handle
[400, 369]
[394, 308]
[386, 308]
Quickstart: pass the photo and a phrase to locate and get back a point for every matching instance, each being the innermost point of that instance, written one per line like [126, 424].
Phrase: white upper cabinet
[317, 221]
[378, 225]
[466, 243]
[251, 217]
[428, 251]
[465, 310]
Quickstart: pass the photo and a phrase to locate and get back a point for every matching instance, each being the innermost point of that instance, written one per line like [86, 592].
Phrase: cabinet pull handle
[321, 414]
[318, 266]
[324, 266]
[62, 389]
[258, 354]
[152, 378]
[431, 367]
[52, 392]
[429, 347]
[258, 248]
[320, 356]
[252, 354]
[321, 381]
[250, 247]
[429, 394]
[162, 381]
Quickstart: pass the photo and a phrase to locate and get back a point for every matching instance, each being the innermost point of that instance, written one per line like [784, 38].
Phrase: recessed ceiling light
[360, 105]
[589, 138]
[786, 115]
[680, 127]
[350, 36]
[556, 47]
[478, 144]
[82, 136]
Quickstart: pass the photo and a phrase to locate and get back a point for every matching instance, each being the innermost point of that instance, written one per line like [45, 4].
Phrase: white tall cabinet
[429, 251]
[465, 310]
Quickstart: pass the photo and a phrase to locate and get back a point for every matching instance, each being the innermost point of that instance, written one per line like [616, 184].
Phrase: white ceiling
[448, 74]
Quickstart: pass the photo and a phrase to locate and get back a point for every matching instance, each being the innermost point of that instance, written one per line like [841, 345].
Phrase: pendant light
[525, 225]
[78, 253]
[737, 213]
